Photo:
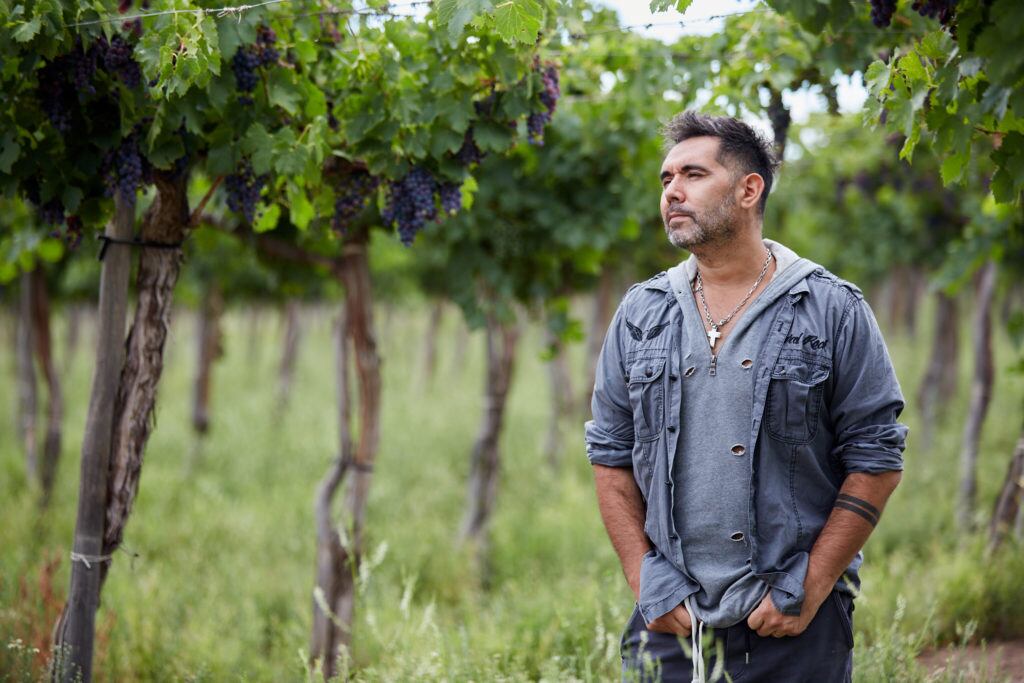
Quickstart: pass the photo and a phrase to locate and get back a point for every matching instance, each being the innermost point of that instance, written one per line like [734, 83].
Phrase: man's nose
[674, 191]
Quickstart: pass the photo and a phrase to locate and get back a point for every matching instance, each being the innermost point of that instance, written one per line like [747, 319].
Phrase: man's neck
[736, 263]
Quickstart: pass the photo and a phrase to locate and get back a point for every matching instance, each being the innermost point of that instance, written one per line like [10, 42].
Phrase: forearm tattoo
[858, 506]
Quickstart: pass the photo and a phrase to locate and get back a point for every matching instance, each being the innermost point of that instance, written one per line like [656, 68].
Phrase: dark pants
[823, 653]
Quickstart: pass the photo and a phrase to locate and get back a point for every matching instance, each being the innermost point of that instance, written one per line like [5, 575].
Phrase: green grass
[221, 587]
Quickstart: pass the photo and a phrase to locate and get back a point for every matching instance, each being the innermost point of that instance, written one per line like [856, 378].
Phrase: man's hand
[768, 621]
[677, 621]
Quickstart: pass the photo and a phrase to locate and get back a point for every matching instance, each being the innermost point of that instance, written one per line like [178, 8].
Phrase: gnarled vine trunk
[940, 380]
[337, 561]
[1007, 511]
[210, 346]
[27, 388]
[289, 354]
[42, 340]
[485, 465]
[600, 318]
[430, 341]
[561, 397]
[981, 395]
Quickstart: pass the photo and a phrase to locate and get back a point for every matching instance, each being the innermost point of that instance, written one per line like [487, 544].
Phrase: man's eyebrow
[684, 169]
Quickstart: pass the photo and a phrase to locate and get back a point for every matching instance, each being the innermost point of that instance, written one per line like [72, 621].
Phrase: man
[744, 437]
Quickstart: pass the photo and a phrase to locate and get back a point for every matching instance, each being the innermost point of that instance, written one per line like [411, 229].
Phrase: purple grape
[411, 203]
[118, 59]
[244, 188]
[943, 10]
[469, 154]
[244, 65]
[125, 170]
[451, 197]
[52, 212]
[538, 120]
[882, 11]
[265, 39]
[55, 97]
[352, 197]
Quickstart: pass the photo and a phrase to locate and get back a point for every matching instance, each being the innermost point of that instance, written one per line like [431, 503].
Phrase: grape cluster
[882, 11]
[124, 168]
[73, 231]
[265, 40]
[55, 97]
[411, 203]
[351, 198]
[943, 10]
[485, 107]
[451, 197]
[538, 120]
[469, 154]
[119, 60]
[244, 188]
[52, 212]
[83, 67]
[244, 65]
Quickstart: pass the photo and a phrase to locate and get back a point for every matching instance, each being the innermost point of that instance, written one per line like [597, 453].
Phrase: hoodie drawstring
[696, 638]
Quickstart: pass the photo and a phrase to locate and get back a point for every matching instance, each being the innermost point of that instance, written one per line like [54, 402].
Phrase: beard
[716, 225]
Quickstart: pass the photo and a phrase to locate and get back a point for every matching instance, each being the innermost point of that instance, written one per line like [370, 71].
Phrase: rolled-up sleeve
[866, 396]
[609, 435]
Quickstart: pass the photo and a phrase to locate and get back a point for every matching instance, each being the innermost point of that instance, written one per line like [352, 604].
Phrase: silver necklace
[713, 333]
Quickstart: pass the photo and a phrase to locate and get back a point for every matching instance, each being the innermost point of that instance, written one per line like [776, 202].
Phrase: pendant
[713, 334]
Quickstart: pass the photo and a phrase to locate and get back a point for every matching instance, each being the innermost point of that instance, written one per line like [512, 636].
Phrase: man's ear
[750, 188]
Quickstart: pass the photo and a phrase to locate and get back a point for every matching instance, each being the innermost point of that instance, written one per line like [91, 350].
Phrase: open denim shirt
[825, 404]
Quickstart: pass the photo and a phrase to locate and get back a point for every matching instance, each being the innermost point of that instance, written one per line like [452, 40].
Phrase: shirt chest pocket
[647, 397]
[794, 399]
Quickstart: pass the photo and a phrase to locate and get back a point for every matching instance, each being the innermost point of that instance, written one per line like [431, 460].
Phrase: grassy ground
[220, 588]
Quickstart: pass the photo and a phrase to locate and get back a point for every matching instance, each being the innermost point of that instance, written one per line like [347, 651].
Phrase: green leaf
[518, 20]
[299, 207]
[71, 198]
[283, 93]
[492, 136]
[9, 151]
[662, 5]
[50, 250]
[27, 31]
[259, 145]
[953, 167]
[268, 220]
[455, 14]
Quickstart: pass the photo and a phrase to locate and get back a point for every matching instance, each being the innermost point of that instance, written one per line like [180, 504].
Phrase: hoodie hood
[790, 272]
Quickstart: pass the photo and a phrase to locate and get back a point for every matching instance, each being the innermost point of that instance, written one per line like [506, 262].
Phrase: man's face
[698, 202]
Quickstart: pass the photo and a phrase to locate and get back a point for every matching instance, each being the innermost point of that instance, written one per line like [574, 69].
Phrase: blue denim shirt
[825, 404]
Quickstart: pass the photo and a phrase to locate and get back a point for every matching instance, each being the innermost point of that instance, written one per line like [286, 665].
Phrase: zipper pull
[714, 364]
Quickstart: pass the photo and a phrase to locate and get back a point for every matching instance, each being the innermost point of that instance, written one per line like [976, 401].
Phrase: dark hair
[749, 151]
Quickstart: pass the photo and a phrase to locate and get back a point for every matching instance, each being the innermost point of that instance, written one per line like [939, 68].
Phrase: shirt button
[673, 377]
[648, 372]
[673, 537]
[672, 428]
[668, 483]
